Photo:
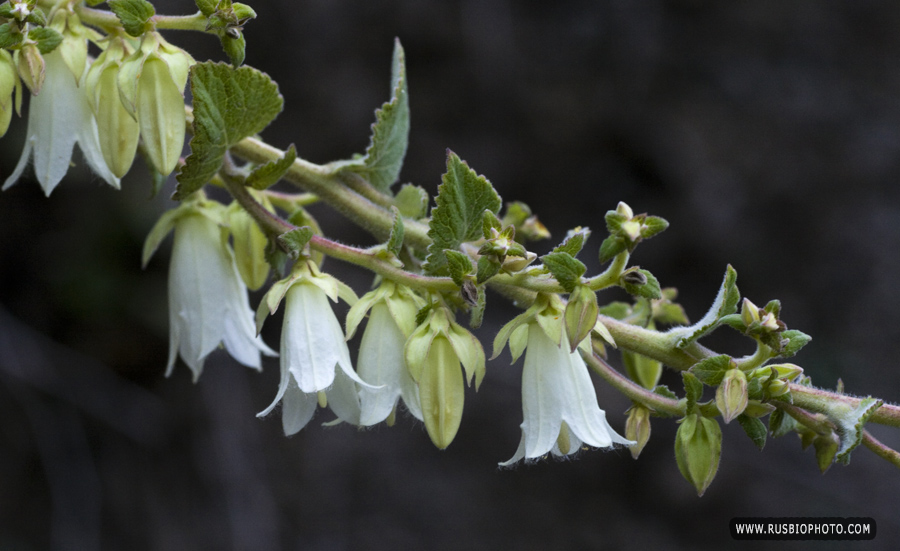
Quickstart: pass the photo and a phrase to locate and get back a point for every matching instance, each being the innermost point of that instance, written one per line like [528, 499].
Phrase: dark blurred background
[767, 133]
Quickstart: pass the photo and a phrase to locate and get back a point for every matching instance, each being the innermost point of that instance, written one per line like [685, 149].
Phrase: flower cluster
[132, 95]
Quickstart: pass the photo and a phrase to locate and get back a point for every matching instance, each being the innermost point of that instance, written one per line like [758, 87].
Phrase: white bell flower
[208, 303]
[59, 117]
[559, 401]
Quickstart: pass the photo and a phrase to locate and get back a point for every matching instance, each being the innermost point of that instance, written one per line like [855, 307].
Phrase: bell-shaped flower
[208, 303]
[315, 360]
[381, 360]
[59, 117]
[558, 398]
[434, 353]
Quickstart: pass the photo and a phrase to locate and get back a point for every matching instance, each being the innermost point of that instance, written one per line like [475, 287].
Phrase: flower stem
[633, 390]
[880, 449]
[822, 401]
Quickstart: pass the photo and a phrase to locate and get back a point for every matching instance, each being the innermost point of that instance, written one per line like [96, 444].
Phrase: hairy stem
[633, 390]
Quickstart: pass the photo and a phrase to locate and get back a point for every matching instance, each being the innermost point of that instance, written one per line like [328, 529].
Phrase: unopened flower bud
[117, 130]
[731, 396]
[31, 67]
[249, 247]
[698, 448]
[623, 209]
[637, 428]
[749, 312]
[581, 314]
[513, 264]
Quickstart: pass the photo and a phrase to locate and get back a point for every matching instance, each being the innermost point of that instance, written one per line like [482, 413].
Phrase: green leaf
[850, 422]
[574, 242]
[781, 423]
[646, 286]
[206, 7]
[47, 39]
[395, 241]
[725, 303]
[7, 37]
[229, 105]
[489, 222]
[295, 240]
[710, 371]
[693, 390]
[134, 15]
[235, 47]
[755, 429]
[664, 391]
[611, 247]
[565, 268]
[265, 176]
[390, 133]
[653, 225]
[412, 201]
[477, 314]
[795, 341]
[459, 209]
[459, 264]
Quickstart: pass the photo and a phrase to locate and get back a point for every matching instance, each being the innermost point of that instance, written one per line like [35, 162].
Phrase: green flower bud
[74, 41]
[30, 65]
[637, 428]
[441, 392]
[698, 448]
[581, 314]
[9, 81]
[731, 395]
[749, 312]
[249, 246]
[777, 388]
[117, 130]
[641, 369]
[513, 264]
[623, 209]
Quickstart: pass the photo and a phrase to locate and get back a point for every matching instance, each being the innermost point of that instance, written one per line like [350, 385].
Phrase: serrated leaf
[295, 240]
[648, 289]
[611, 247]
[653, 225]
[134, 15]
[47, 39]
[796, 341]
[489, 222]
[412, 201]
[235, 47]
[267, 175]
[459, 208]
[710, 371]
[664, 391]
[390, 133]
[395, 241]
[725, 303]
[8, 37]
[614, 221]
[850, 423]
[780, 423]
[574, 242]
[229, 105]
[459, 264]
[693, 390]
[566, 269]
[755, 429]
[206, 7]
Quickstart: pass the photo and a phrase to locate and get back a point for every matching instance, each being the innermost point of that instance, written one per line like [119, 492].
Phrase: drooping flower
[315, 361]
[558, 398]
[59, 117]
[208, 303]
[381, 360]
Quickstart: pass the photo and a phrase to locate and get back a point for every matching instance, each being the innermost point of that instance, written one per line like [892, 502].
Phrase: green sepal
[470, 353]
[229, 105]
[653, 225]
[574, 241]
[645, 287]
[160, 230]
[725, 303]
[395, 241]
[755, 429]
[390, 133]
[693, 390]
[8, 37]
[826, 448]
[710, 371]
[489, 222]
[487, 267]
[134, 14]
[266, 175]
[795, 341]
[293, 241]
[462, 198]
[459, 265]
[611, 247]
[412, 201]
[850, 423]
[47, 39]
[565, 268]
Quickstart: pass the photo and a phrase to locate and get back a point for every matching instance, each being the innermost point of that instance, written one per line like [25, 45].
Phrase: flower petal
[381, 362]
[297, 409]
[311, 338]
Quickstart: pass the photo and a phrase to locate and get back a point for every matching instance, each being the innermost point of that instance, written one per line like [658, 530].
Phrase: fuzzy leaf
[725, 303]
[850, 423]
[796, 341]
[649, 288]
[296, 239]
[459, 209]
[390, 133]
[412, 201]
[611, 246]
[459, 265]
[8, 37]
[265, 176]
[235, 47]
[574, 242]
[134, 14]
[755, 429]
[693, 390]
[565, 268]
[487, 268]
[206, 7]
[229, 105]
[710, 371]
[476, 316]
[47, 39]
